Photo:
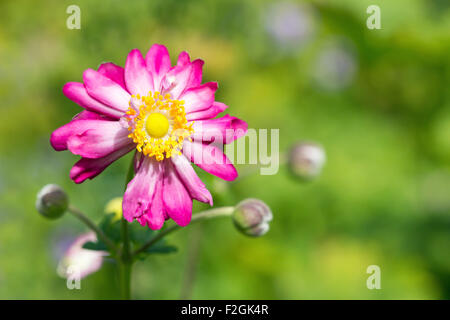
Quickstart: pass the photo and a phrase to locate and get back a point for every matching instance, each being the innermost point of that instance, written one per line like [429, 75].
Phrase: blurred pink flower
[150, 105]
[79, 260]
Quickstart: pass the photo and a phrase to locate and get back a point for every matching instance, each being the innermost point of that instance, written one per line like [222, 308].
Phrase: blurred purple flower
[335, 67]
[290, 24]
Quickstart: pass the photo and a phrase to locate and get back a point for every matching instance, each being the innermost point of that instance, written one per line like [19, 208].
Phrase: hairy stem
[91, 225]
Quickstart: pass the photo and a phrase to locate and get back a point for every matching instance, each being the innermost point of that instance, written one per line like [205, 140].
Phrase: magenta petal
[154, 217]
[100, 139]
[225, 129]
[76, 92]
[89, 168]
[60, 136]
[199, 98]
[89, 115]
[210, 159]
[176, 80]
[195, 76]
[209, 113]
[137, 77]
[176, 199]
[190, 179]
[106, 90]
[183, 59]
[141, 190]
[114, 72]
[158, 64]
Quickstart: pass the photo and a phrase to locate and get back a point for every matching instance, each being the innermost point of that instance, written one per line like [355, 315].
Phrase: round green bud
[252, 217]
[52, 201]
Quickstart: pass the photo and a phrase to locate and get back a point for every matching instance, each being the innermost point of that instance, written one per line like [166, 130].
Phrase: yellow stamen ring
[158, 126]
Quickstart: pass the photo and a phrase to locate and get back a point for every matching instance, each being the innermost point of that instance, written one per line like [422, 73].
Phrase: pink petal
[114, 72]
[137, 78]
[158, 64]
[175, 81]
[195, 78]
[99, 139]
[183, 59]
[190, 179]
[225, 129]
[106, 90]
[176, 199]
[199, 98]
[140, 191]
[196, 74]
[210, 159]
[211, 112]
[89, 115]
[154, 217]
[59, 137]
[76, 92]
[89, 168]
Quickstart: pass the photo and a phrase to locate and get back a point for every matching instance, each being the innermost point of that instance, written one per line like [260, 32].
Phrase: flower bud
[306, 160]
[114, 206]
[252, 217]
[52, 201]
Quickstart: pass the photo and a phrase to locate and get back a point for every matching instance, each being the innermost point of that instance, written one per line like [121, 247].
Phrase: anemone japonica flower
[166, 115]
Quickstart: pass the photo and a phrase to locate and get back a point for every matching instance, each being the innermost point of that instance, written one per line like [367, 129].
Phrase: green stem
[125, 279]
[81, 216]
[204, 215]
[126, 260]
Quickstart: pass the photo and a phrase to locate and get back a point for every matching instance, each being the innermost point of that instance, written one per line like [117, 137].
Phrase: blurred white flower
[83, 260]
[306, 160]
[335, 67]
[290, 24]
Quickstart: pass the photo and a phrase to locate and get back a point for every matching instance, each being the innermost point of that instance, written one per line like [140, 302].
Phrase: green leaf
[99, 246]
[162, 249]
[157, 249]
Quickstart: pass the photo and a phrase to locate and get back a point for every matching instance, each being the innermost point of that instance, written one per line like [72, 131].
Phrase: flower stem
[126, 260]
[125, 278]
[204, 215]
[88, 222]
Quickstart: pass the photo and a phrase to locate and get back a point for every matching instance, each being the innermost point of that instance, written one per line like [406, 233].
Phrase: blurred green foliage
[383, 197]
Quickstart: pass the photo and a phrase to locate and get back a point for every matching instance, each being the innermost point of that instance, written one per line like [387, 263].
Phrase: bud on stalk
[52, 201]
[252, 217]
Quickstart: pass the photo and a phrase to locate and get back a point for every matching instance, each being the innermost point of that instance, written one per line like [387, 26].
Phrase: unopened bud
[52, 201]
[114, 206]
[306, 160]
[252, 217]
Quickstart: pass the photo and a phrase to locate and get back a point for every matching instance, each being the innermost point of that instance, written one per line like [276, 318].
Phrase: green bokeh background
[383, 197]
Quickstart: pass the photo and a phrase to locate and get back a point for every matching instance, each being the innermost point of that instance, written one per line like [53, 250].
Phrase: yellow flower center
[157, 125]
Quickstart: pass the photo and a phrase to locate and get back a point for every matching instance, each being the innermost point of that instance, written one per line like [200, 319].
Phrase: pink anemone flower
[163, 112]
